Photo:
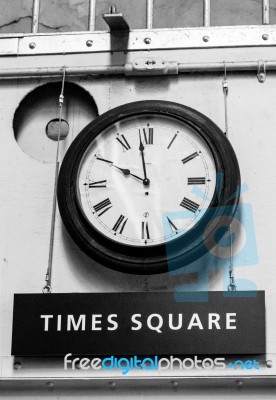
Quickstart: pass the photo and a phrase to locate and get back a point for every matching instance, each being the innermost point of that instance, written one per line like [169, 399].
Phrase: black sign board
[138, 324]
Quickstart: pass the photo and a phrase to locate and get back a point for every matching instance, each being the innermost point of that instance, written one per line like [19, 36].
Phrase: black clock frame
[188, 246]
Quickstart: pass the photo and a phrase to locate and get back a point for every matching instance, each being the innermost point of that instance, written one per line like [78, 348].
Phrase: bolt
[205, 38]
[17, 365]
[265, 36]
[112, 10]
[174, 383]
[269, 364]
[239, 383]
[147, 40]
[32, 45]
[89, 43]
[112, 384]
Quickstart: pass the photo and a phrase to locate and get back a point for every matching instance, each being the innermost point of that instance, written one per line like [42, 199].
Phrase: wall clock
[143, 176]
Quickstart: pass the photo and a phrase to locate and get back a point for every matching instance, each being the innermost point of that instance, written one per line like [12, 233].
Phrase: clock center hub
[146, 182]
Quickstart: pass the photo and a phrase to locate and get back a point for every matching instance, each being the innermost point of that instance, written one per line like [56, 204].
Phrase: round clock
[146, 186]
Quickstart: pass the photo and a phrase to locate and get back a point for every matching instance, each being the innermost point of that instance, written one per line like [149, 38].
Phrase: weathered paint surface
[72, 15]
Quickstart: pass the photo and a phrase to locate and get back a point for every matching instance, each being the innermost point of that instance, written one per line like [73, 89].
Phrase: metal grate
[150, 12]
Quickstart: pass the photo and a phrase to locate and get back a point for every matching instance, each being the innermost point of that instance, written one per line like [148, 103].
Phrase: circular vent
[36, 120]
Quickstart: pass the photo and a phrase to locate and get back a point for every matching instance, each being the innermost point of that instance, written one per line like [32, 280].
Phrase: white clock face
[146, 180]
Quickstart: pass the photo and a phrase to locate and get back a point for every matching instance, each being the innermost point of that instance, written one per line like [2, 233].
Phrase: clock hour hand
[123, 170]
[146, 181]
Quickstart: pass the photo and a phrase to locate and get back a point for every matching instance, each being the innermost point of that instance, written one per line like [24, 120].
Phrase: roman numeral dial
[138, 188]
[196, 181]
[148, 135]
[172, 225]
[146, 182]
[123, 142]
[95, 185]
[102, 207]
[120, 224]
[145, 230]
[189, 205]
[189, 158]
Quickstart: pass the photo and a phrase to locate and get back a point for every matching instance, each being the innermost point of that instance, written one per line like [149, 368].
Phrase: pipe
[149, 14]
[92, 15]
[265, 12]
[120, 69]
[206, 12]
[57, 71]
[35, 16]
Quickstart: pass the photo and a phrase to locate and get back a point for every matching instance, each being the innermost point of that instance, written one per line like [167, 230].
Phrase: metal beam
[35, 16]
[146, 39]
[149, 14]
[265, 12]
[92, 15]
[206, 12]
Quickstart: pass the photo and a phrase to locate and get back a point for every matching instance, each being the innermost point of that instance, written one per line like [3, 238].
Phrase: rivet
[239, 383]
[89, 43]
[269, 364]
[17, 365]
[50, 384]
[205, 38]
[112, 384]
[174, 383]
[147, 40]
[265, 36]
[32, 45]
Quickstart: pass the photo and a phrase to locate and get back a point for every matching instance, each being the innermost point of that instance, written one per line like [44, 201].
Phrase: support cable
[232, 285]
[48, 287]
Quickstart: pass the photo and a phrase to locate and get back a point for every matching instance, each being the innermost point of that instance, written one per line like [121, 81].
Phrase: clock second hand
[124, 171]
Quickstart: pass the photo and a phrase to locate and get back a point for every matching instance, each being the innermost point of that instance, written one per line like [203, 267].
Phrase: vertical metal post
[206, 13]
[92, 15]
[265, 12]
[35, 16]
[149, 14]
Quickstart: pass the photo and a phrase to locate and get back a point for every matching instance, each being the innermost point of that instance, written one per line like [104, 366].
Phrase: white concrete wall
[26, 198]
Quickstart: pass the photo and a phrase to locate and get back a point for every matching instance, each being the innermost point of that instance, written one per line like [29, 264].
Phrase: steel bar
[92, 15]
[206, 12]
[35, 16]
[149, 14]
[120, 69]
[265, 12]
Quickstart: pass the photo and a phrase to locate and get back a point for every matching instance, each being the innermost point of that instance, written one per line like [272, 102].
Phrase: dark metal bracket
[116, 21]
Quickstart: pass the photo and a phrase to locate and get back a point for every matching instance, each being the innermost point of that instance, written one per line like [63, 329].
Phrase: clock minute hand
[124, 171]
[146, 181]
